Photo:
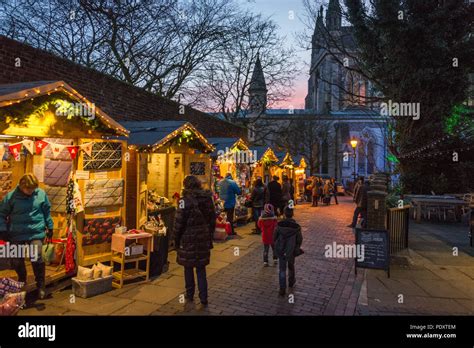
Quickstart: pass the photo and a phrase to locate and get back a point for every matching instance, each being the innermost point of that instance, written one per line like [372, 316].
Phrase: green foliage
[57, 103]
[459, 119]
[419, 52]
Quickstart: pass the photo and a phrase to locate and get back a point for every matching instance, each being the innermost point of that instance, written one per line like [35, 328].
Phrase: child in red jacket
[267, 223]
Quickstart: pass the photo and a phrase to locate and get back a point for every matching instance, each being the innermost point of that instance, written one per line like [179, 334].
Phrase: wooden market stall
[300, 177]
[266, 165]
[232, 155]
[52, 131]
[162, 153]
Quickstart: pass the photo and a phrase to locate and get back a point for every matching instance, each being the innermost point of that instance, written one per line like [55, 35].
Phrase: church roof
[258, 79]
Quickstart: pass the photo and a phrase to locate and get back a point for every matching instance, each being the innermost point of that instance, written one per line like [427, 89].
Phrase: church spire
[334, 15]
[257, 89]
[258, 79]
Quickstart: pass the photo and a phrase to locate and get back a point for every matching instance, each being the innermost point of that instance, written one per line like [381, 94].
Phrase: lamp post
[354, 146]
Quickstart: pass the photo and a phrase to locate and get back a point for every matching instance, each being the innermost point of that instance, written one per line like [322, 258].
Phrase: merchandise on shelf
[155, 201]
[155, 226]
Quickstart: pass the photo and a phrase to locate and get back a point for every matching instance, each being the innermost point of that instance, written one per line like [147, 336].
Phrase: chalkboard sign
[375, 244]
[198, 168]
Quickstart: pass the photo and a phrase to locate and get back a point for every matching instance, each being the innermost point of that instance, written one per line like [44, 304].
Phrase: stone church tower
[257, 91]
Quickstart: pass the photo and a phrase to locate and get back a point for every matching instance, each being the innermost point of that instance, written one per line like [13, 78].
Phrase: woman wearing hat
[26, 219]
[267, 224]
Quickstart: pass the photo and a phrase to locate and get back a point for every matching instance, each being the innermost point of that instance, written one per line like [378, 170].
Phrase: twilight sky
[279, 11]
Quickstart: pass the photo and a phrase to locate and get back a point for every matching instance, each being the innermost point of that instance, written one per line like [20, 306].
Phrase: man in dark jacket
[288, 240]
[361, 201]
[193, 230]
[275, 194]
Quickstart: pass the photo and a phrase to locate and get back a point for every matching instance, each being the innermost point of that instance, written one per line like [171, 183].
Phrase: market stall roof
[269, 154]
[221, 144]
[13, 93]
[287, 160]
[156, 134]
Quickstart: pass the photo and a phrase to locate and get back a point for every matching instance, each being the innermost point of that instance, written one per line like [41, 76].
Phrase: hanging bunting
[40, 146]
[87, 148]
[15, 150]
[29, 145]
[2, 151]
[73, 151]
[57, 149]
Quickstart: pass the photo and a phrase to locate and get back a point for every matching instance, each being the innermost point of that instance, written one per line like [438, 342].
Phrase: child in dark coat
[287, 239]
[267, 223]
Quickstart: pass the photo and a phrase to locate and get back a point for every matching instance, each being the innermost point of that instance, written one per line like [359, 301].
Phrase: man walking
[361, 201]
[228, 189]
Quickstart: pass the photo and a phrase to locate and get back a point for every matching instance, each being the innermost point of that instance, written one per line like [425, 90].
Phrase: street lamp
[354, 145]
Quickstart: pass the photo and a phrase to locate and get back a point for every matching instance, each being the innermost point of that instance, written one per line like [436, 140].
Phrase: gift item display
[12, 303]
[242, 213]
[155, 201]
[5, 183]
[104, 192]
[12, 298]
[92, 281]
[100, 230]
[155, 226]
[44, 134]
[223, 228]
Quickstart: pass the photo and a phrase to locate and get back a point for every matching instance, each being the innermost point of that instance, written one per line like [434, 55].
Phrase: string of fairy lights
[420, 153]
[72, 93]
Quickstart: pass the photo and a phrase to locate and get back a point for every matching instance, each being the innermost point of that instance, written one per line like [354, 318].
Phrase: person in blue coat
[228, 189]
[25, 218]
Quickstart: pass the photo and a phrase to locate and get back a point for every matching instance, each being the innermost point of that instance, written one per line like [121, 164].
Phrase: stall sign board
[376, 249]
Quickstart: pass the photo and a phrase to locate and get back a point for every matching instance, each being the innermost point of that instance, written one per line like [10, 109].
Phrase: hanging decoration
[56, 149]
[40, 146]
[15, 150]
[29, 145]
[87, 148]
[73, 151]
[36, 148]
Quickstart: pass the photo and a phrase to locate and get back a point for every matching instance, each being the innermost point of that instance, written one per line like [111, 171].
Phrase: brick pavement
[431, 279]
[239, 284]
[324, 286]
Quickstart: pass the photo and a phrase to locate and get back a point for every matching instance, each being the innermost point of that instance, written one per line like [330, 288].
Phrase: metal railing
[398, 220]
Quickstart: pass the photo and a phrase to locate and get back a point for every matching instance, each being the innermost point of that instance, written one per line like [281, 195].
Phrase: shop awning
[11, 94]
[156, 134]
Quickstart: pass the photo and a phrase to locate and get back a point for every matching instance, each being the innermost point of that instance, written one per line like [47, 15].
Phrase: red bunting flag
[15, 149]
[73, 151]
[40, 145]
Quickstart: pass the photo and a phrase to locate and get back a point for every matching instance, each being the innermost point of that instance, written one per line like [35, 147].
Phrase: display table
[120, 243]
